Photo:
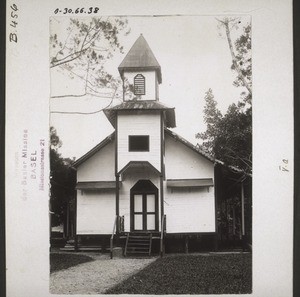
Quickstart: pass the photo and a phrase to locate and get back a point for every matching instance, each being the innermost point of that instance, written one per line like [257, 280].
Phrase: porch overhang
[138, 164]
[97, 185]
[190, 183]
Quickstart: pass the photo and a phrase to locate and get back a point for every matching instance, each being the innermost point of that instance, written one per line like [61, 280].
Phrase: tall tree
[240, 51]
[212, 117]
[82, 53]
[229, 137]
[62, 180]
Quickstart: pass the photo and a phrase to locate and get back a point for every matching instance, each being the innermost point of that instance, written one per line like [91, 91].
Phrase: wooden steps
[138, 244]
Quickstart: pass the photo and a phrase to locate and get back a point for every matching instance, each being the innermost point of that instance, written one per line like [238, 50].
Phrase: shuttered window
[139, 85]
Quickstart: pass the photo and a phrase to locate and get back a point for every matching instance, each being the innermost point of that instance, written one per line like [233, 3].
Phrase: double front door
[144, 210]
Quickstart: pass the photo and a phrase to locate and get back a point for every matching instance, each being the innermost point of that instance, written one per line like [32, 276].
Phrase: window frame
[130, 144]
[143, 84]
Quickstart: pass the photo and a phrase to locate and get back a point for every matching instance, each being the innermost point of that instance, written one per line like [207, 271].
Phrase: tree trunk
[234, 61]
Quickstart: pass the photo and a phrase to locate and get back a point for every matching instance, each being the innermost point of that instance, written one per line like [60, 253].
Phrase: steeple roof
[140, 57]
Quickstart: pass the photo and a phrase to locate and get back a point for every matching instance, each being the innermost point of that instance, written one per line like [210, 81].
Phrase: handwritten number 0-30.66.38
[77, 10]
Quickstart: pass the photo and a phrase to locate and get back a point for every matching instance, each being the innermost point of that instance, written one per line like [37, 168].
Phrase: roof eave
[93, 151]
[189, 145]
[145, 68]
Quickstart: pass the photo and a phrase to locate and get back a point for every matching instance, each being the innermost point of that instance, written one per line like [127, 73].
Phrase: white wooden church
[144, 184]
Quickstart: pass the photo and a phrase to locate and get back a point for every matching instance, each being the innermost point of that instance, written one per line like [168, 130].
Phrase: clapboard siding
[131, 177]
[95, 212]
[99, 167]
[150, 84]
[181, 162]
[139, 124]
[190, 210]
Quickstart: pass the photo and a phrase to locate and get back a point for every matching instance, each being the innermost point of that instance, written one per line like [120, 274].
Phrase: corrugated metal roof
[190, 145]
[190, 183]
[111, 112]
[140, 104]
[140, 56]
[233, 168]
[96, 185]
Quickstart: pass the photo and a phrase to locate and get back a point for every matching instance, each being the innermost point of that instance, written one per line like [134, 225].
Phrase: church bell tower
[140, 120]
[140, 72]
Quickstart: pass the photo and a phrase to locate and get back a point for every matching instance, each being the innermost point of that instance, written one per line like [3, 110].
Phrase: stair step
[138, 252]
[138, 248]
[139, 242]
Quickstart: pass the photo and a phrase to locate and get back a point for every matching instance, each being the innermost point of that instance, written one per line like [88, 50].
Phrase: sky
[194, 56]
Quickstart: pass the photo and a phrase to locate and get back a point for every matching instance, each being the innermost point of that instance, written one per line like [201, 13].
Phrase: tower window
[139, 85]
[138, 143]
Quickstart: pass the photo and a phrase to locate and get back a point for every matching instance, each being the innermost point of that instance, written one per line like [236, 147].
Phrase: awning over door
[96, 185]
[189, 183]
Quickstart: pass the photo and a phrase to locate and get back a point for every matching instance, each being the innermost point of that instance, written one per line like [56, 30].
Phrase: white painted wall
[187, 210]
[99, 167]
[150, 84]
[139, 124]
[183, 162]
[130, 178]
[190, 210]
[95, 212]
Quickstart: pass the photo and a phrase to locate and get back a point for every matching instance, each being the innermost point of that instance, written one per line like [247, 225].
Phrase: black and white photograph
[149, 148]
[151, 155]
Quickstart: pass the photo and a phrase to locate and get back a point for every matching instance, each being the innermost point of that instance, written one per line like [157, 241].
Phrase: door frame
[144, 188]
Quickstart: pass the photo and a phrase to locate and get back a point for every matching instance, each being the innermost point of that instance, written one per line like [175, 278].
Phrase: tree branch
[61, 61]
[234, 60]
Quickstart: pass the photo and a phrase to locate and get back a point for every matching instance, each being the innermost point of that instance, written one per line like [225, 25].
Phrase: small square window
[138, 143]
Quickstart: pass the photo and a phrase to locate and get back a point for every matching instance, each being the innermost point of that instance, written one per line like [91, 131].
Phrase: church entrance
[144, 206]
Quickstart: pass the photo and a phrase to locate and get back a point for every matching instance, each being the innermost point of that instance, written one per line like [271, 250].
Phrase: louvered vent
[139, 84]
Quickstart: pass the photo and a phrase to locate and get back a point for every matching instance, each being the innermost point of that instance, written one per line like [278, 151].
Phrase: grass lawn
[192, 274]
[64, 261]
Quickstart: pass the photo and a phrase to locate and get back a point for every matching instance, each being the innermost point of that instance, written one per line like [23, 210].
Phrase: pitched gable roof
[204, 154]
[140, 56]
[190, 145]
[94, 150]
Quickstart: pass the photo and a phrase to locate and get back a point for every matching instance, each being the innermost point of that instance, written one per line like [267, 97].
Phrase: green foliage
[86, 48]
[212, 118]
[55, 142]
[228, 137]
[95, 39]
[62, 179]
[244, 60]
